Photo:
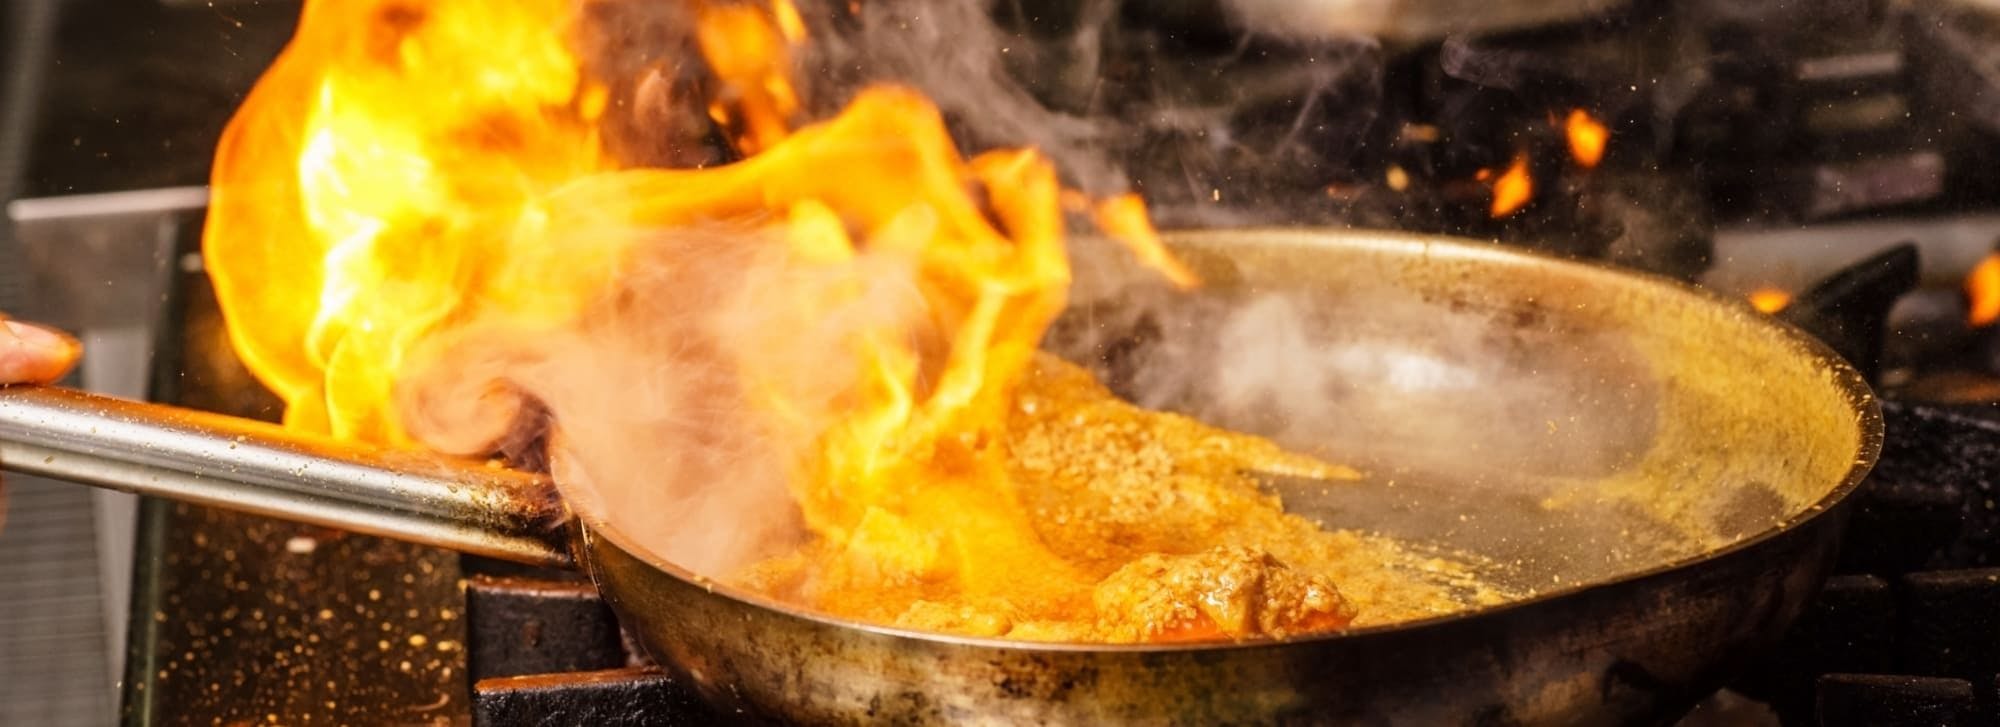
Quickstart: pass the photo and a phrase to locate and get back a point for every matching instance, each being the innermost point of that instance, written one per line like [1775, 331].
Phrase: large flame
[405, 169]
[367, 187]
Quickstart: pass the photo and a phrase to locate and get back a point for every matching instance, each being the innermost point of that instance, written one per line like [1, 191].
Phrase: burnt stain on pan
[1038, 678]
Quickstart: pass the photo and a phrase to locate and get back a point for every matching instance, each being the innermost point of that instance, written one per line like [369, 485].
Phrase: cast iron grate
[544, 649]
[1910, 634]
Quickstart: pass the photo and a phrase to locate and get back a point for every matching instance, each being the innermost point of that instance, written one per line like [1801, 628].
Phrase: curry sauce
[1112, 524]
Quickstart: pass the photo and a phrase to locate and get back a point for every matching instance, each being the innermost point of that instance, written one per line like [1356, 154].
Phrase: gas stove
[1750, 151]
[241, 619]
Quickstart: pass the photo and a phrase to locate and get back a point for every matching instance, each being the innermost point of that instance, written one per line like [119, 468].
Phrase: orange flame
[749, 48]
[1982, 292]
[404, 169]
[1769, 300]
[1587, 138]
[1513, 189]
[355, 199]
[1124, 218]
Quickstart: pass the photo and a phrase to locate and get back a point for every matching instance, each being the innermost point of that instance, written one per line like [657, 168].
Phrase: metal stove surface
[245, 620]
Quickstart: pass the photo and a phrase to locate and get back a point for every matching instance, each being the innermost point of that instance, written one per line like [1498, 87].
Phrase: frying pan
[1661, 474]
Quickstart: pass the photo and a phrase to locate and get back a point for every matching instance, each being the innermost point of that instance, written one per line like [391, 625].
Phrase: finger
[33, 354]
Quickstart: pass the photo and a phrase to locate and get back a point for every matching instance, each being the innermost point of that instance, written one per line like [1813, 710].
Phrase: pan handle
[255, 467]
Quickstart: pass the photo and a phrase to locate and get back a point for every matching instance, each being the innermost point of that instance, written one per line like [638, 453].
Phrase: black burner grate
[519, 627]
[611, 698]
[1876, 700]
[544, 649]
[1910, 635]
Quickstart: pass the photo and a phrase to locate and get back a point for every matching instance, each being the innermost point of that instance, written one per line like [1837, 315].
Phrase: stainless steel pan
[1663, 470]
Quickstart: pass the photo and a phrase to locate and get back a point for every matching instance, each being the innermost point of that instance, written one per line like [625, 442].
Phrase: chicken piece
[1107, 481]
[1225, 592]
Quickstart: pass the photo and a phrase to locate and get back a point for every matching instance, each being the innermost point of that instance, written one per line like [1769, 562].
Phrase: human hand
[31, 354]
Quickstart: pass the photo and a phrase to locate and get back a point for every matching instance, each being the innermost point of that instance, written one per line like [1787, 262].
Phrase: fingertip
[33, 354]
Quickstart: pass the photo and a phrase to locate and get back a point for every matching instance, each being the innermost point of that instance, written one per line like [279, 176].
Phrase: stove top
[1770, 159]
[241, 620]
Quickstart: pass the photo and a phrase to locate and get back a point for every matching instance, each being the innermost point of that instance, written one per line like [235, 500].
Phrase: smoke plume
[658, 395]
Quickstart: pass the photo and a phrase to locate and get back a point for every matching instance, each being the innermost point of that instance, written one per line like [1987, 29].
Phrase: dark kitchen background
[1832, 160]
